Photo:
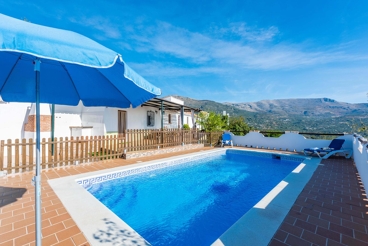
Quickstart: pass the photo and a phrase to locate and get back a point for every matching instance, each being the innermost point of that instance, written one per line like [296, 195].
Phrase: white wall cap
[174, 100]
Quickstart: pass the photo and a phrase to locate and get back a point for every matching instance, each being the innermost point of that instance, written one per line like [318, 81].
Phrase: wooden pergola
[163, 105]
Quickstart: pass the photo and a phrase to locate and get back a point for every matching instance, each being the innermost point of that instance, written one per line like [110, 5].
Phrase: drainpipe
[182, 124]
[162, 115]
[182, 116]
[162, 124]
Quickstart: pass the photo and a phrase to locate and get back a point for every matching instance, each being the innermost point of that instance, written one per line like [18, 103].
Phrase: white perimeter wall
[360, 155]
[293, 141]
[289, 141]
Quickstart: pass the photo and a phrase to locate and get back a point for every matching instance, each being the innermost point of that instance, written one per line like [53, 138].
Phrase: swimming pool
[194, 202]
[266, 215]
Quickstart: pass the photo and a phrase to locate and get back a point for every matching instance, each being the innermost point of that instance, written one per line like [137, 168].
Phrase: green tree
[238, 126]
[211, 121]
[360, 128]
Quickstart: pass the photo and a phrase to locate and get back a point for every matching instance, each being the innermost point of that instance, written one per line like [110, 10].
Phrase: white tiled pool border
[132, 170]
[93, 218]
[90, 180]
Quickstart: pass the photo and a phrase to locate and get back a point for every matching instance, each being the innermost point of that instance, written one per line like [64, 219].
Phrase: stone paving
[331, 210]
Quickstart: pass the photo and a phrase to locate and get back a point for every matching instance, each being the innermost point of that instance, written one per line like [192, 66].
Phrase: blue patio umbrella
[39, 64]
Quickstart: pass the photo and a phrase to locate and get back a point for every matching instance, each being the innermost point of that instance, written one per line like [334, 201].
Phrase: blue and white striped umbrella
[73, 68]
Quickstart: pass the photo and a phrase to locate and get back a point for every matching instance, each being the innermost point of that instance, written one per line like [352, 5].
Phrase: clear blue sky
[234, 51]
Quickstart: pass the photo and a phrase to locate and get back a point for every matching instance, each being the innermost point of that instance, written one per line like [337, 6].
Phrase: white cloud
[178, 42]
[109, 30]
[179, 54]
[198, 48]
[247, 33]
[155, 69]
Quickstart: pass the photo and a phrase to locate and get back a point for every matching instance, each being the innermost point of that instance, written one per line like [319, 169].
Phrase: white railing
[290, 141]
[360, 154]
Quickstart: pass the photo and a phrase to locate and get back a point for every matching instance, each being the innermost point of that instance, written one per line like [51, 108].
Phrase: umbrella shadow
[112, 234]
[9, 195]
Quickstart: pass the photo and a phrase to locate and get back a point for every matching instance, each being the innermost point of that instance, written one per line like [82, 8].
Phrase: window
[169, 118]
[150, 118]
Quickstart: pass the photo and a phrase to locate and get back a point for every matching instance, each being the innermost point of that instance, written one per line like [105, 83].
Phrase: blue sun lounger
[226, 139]
[333, 148]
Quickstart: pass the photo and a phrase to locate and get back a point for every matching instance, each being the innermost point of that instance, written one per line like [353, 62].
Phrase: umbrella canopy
[47, 65]
[73, 68]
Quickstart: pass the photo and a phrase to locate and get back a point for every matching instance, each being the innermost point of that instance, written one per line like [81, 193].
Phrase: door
[122, 118]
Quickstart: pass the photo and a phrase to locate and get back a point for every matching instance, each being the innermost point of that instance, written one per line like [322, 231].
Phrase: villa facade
[166, 113]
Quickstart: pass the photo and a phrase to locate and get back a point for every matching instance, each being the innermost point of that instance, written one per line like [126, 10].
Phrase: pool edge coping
[265, 222]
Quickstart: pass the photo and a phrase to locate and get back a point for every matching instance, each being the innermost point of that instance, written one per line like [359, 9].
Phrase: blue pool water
[195, 202]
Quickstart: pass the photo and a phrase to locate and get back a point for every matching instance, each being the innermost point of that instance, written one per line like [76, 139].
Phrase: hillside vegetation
[318, 115]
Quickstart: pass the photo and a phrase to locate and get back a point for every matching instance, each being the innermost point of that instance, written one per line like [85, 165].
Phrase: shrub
[186, 127]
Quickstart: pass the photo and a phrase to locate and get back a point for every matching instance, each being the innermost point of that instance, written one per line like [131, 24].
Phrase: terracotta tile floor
[330, 210]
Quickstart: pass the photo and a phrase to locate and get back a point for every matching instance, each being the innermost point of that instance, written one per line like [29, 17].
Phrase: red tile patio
[331, 210]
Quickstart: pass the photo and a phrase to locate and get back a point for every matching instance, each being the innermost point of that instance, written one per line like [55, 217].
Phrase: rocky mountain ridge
[323, 107]
[321, 115]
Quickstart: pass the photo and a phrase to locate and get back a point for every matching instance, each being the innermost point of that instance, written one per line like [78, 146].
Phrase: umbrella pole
[37, 178]
[52, 128]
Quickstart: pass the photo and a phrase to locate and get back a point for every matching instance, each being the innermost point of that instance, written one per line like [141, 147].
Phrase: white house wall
[174, 119]
[13, 116]
[94, 117]
[103, 120]
[62, 123]
[136, 119]
[66, 116]
[188, 120]
[111, 120]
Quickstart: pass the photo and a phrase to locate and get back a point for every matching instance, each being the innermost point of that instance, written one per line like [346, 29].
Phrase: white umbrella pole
[37, 178]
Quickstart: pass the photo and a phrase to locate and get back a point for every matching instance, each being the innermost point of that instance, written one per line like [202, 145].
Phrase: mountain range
[321, 107]
[318, 115]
